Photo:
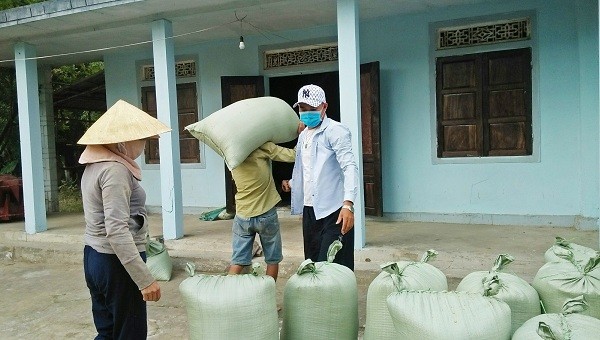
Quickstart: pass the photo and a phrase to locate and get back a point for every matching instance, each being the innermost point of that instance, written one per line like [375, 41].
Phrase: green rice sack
[559, 251]
[397, 276]
[557, 282]
[449, 315]
[321, 301]
[231, 307]
[569, 324]
[236, 130]
[158, 260]
[521, 297]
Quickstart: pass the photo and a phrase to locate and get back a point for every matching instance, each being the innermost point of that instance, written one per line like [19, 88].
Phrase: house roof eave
[67, 32]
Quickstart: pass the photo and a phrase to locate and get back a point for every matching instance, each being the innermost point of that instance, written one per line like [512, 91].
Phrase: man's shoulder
[335, 126]
[270, 148]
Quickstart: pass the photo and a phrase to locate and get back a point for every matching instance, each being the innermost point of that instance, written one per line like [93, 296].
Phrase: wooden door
[234, 89]
[371, 139]
[287, 87]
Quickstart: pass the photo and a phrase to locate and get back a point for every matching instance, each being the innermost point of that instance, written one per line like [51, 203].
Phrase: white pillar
[166, 106]
[48, 139]
[350, 109]
[30, 134]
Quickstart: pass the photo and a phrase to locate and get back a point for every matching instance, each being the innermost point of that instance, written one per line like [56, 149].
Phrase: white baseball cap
[311, 94]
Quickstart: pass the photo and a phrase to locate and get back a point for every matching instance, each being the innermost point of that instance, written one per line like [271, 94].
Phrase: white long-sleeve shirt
[334, 174]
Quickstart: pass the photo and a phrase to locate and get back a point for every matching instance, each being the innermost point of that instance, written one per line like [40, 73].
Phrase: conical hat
[121, 123]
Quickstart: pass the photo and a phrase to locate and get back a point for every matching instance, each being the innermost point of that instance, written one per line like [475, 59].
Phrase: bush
[69, 197]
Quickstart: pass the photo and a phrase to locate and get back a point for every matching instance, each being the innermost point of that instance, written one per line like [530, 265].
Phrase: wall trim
[554, 221]
[558, 221]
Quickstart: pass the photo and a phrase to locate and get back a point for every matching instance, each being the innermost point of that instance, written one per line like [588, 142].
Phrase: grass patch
[69, 197]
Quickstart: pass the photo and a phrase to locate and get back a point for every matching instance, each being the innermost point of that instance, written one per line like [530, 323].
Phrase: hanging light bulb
[241, 20]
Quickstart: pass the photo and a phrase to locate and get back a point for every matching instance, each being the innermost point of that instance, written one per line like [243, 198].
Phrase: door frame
[234, 88]
[370, 98]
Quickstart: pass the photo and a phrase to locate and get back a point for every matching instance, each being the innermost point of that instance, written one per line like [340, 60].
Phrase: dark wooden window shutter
[189, 150]
[484, 104]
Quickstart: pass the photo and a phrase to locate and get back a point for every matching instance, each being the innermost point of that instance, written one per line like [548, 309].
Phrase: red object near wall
[11, 198]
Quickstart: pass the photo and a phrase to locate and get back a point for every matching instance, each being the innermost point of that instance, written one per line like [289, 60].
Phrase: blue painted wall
[561, 179]
[559, 184]
[203, 184]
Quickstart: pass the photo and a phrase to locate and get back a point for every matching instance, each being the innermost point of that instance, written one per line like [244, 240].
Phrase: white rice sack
[521, 297]
[398, 276]
[448, 315]
[231, 307]
[240, 128]
[567, 325]
[321, 301]
[563, 249]
[158, 260]
[557, 282]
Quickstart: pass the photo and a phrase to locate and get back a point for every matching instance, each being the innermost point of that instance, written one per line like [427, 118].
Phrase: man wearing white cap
[324, 180]
[116, 223]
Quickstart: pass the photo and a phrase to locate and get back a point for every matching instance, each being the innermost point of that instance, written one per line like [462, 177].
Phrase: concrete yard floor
[51, 301]
[43, 292]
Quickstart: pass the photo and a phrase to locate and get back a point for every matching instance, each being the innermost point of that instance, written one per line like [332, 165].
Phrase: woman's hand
[152, 292]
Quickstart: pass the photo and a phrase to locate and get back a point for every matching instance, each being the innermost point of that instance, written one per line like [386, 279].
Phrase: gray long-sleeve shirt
[115, 216]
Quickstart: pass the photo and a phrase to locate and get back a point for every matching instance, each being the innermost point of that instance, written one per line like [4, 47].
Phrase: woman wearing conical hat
[116, 221]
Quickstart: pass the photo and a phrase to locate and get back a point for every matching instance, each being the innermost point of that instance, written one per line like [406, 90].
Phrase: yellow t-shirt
[256, 190]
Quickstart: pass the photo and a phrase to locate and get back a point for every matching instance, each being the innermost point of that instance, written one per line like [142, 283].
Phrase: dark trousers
[118, 308]
[319, 234]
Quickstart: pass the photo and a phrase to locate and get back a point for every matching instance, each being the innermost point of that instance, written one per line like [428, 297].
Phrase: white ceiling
[129, 23]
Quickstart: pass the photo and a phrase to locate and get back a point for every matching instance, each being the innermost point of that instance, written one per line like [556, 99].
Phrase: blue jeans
[244, 231]
[118, 307]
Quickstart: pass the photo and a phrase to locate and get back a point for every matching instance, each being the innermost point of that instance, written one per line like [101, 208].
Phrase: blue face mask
[311, 118]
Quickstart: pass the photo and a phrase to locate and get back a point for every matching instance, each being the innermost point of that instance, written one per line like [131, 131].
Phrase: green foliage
[70, 125]
[9, 128]
[68, 185]
[6, 4]
[68, 74]
[8, 168]
[69, 197]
